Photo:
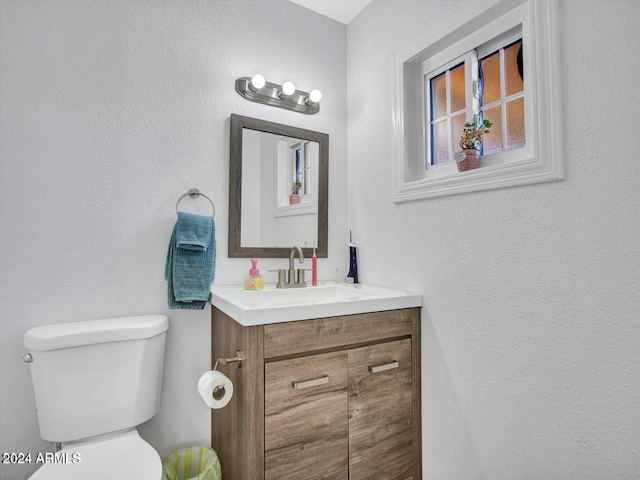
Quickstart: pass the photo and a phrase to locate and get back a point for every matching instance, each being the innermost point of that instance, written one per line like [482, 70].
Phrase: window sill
[447, 180]
[302, 208]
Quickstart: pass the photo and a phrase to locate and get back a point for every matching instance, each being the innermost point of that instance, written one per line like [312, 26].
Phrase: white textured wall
[109, 112]
[531, 324]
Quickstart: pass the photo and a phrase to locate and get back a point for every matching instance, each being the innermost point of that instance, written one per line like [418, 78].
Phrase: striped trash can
[192, 463]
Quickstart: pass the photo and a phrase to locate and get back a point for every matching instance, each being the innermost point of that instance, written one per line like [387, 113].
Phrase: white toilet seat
[123, 456]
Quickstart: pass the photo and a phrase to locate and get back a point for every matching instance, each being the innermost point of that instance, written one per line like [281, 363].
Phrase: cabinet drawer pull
[310, 383]
[382, 368]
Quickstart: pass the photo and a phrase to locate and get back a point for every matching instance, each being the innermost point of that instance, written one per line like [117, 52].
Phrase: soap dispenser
[254, 281]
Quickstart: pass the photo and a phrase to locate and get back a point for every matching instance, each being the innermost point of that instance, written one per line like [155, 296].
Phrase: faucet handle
[282, 277]
[300, 277]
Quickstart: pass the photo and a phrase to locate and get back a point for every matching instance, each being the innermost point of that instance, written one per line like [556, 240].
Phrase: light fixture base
[270, 95]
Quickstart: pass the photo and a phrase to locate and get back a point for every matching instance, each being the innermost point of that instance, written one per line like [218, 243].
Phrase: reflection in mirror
[278, 189]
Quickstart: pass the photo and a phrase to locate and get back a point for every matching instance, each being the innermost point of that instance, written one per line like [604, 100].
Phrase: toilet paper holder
[238, 358]
[219, 391]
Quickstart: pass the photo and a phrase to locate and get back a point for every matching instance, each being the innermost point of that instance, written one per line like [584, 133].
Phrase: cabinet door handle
[310, 383]
[382, 368]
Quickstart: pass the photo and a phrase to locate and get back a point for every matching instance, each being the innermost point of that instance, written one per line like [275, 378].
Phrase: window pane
[307, 170]
[299, 165]
[438, 96]
[515, 124]
[513, 78]
[457, 88]
[457, 125]
[491, 74]
[440, 143]
[493, 140]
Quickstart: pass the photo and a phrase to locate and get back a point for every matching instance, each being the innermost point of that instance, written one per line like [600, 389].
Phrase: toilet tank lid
[73, 334]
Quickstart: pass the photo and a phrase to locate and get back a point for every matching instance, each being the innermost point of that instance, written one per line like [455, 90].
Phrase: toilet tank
[97, 376]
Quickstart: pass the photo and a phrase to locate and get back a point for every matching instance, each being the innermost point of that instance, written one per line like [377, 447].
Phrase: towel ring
[195, 193]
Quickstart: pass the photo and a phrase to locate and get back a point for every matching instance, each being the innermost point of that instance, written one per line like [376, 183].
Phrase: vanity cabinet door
[380, 412]
[306, 424]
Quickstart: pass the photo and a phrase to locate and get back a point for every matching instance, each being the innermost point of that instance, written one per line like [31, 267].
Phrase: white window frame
[542, 158]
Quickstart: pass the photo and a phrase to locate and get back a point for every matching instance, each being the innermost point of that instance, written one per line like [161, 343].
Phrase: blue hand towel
[193, 232]
[190, 265]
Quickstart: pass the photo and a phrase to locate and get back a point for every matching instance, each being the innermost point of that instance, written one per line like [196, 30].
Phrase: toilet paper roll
[215, 388]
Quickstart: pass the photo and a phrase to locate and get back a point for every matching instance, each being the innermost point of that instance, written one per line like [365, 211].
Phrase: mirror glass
[278, 189]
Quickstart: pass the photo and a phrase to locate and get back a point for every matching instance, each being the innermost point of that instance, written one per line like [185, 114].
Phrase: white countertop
[273, 305]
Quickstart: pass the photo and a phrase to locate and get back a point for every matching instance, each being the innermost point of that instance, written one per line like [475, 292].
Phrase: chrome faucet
[292, 278]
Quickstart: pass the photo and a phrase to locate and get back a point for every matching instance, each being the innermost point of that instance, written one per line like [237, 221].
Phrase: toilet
[94, 382]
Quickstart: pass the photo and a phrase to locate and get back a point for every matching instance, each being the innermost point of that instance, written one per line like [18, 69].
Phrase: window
[472, 90]
[494, 60]
[501, 97]
[297, 163]
[449, 106]
[301, 166]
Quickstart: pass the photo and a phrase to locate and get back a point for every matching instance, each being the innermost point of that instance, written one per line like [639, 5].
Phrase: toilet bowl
[94, 382]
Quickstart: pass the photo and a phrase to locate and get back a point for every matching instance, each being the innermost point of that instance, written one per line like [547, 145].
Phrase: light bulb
[257, 82]
[288, 88]
[314, 97]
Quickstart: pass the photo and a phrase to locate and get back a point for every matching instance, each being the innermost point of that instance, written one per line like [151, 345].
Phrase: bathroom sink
[273, 305]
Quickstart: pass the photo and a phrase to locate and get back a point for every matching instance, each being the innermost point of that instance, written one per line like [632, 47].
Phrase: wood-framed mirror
[278, 189]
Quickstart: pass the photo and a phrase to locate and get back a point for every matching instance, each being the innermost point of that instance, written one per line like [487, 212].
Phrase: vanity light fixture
[257, 89]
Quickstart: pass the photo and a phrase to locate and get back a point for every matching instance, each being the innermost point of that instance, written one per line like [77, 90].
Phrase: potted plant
[470, 141]
[295, 195]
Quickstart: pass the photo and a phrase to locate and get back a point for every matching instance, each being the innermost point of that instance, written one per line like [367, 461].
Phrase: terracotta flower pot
[294, 198]
[468, 159]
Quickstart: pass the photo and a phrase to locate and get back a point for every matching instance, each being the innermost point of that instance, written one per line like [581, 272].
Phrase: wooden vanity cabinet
[330, 398]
